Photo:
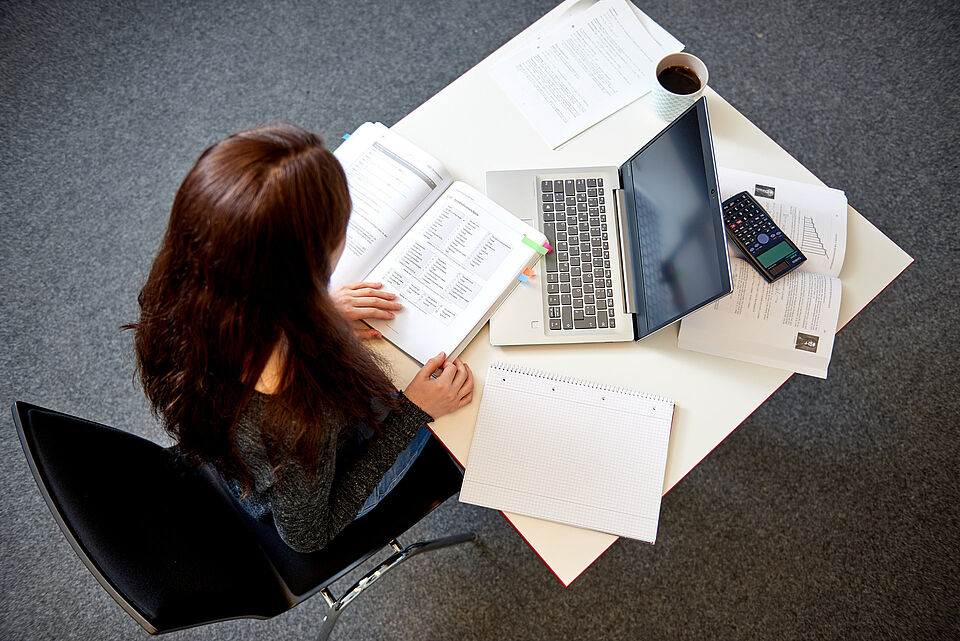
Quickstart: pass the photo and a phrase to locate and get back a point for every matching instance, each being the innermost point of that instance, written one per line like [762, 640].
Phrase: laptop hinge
[626, 256]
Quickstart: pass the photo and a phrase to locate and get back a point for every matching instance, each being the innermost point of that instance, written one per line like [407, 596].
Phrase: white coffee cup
[667, 105]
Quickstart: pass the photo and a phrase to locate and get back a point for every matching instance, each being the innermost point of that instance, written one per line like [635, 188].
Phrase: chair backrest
[153, 531]
[172, 546]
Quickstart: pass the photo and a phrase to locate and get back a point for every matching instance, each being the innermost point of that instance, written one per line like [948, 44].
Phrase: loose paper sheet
[591, 64]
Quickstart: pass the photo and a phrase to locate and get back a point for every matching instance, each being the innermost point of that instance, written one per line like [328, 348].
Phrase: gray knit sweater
[310, 510]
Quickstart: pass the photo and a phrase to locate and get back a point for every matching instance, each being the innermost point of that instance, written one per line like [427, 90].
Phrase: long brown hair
[243, 269]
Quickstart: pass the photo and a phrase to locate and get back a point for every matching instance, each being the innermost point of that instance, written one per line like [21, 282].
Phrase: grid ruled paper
[569, 451]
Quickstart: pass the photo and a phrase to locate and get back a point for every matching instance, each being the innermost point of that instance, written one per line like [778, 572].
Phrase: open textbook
[790, 323]
[450, 254]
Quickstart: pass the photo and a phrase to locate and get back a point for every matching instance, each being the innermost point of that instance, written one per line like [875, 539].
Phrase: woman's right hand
[449, 391]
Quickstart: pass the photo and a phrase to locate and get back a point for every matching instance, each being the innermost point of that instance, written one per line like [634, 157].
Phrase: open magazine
[790, 323]
[450, 254]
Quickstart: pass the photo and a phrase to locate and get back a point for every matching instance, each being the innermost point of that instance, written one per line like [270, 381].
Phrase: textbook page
[812, 216]
[450, 270]
[788, 324]
[392, 182]
[590, 64]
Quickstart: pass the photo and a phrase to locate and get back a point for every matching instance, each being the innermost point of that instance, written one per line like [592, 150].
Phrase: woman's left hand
[359, 301]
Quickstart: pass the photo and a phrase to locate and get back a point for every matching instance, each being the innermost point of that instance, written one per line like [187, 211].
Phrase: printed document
[788, 324]
[590, 64]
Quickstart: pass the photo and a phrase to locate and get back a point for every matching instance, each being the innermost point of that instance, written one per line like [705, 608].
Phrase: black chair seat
[170, 544]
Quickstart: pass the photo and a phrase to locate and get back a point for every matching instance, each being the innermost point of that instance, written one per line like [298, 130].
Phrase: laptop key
[566, 316]
[555, 323]
[585, 323]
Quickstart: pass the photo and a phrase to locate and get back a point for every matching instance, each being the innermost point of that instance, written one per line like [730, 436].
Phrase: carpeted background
[831, 513]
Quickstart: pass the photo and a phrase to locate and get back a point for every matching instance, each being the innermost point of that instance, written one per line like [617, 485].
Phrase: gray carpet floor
[831, 513]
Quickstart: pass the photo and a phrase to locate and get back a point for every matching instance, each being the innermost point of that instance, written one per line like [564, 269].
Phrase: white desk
[472, 127]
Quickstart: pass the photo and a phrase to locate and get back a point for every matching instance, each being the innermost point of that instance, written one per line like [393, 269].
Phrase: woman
[253, 366]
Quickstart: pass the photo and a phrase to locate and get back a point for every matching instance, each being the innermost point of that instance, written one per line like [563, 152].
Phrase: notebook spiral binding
[550, 376]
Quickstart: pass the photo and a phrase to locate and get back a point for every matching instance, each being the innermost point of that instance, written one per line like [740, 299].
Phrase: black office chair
[176, 551]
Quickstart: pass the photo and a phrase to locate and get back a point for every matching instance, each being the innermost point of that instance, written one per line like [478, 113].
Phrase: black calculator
[766, 246]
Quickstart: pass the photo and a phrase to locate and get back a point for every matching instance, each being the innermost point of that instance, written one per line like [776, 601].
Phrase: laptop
[635, 248]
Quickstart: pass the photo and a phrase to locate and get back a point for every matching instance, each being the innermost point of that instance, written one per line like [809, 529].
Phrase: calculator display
[771, 256]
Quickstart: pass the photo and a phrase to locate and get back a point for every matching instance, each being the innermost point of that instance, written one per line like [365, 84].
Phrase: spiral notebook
[570, 451]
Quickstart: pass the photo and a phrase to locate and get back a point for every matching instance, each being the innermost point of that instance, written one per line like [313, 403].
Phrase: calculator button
[763, 239]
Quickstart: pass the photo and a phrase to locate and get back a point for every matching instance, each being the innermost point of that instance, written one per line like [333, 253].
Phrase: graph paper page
[569, 451]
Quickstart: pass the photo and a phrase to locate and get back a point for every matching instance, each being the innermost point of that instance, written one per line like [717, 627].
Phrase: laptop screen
[670, 186]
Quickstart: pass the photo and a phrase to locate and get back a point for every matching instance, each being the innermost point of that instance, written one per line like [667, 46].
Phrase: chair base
[401, 554]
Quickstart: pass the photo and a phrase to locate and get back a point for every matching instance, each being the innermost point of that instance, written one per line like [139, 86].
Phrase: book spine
[572, 380]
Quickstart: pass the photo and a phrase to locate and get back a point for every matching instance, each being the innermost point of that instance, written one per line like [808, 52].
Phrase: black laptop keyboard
[579, 286]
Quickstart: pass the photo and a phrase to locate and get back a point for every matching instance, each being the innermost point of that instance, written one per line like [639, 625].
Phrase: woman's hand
[449, 391]
[360, 301]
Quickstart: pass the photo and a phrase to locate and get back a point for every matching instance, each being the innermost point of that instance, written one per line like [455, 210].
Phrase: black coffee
[679, 80]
